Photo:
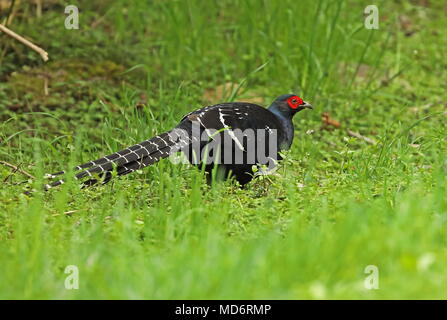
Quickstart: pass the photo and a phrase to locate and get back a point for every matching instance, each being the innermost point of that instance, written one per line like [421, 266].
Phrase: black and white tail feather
[223, 117]
[125, 161]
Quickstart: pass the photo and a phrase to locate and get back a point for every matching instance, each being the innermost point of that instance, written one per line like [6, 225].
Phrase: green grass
[337, 204]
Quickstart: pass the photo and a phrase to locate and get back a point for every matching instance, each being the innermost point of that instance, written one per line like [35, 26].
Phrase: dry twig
[17, 169]
[27, 43]
[359, 136]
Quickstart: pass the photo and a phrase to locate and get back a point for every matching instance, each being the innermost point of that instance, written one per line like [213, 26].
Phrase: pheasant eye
[294, 102]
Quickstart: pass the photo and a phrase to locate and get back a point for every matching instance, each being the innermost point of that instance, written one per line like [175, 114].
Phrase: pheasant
[232, 137]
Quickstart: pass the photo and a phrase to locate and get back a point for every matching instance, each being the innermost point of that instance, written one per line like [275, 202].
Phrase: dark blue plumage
[270, 130]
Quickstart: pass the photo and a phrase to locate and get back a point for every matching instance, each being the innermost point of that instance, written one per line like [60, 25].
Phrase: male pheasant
[231, 137]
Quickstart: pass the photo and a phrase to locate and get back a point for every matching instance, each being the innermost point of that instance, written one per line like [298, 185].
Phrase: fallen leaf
[328, 121]
[220, 92]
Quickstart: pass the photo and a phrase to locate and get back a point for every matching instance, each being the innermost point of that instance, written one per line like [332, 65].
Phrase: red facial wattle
[294, 102]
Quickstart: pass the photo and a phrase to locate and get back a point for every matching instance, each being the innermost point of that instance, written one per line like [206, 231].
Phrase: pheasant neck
[287, 126]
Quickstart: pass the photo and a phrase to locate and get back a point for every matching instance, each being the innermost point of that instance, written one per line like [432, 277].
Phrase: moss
[60, 84]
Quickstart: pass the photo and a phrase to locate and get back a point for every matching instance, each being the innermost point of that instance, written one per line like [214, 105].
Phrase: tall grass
[337, 205]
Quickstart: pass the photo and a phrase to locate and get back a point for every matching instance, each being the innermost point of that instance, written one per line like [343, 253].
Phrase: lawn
[363, 187]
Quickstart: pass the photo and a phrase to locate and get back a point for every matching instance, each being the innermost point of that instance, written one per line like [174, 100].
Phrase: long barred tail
[126, 161]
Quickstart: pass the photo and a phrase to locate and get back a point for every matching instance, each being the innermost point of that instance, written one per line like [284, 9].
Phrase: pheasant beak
[306, 105]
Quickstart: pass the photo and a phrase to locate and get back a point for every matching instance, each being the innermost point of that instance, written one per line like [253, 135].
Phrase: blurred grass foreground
[361, 194]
